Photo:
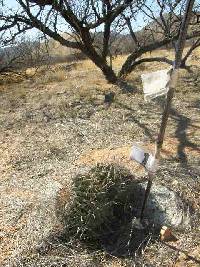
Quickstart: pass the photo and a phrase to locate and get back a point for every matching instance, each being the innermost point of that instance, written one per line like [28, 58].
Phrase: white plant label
[155, 83]
[144, 158]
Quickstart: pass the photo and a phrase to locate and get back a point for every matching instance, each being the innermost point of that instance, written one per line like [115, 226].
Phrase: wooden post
[177, 63]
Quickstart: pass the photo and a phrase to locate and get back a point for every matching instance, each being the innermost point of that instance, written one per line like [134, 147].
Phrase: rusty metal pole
[178, 59]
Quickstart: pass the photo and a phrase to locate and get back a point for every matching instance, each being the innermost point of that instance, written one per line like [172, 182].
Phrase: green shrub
[103, 202]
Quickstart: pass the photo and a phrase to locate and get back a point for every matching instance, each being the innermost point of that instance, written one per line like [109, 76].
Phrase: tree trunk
[99, 60]
[126, 68]
[108, 72]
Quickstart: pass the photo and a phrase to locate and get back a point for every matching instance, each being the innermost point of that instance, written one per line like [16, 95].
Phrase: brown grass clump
[53, 76]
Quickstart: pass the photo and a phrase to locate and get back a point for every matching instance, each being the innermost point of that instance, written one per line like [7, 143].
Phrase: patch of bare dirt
[121, 155]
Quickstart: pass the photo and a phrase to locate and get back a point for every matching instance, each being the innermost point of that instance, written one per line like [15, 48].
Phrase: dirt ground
[51, 129]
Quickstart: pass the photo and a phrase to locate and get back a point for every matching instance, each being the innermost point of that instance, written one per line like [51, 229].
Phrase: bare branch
[189, 52]
[151, 59]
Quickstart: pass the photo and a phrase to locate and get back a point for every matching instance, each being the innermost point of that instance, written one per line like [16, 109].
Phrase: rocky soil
[51, 132]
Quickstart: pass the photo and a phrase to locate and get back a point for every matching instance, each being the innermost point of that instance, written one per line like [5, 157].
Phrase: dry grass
[54, 128]
[53, 76]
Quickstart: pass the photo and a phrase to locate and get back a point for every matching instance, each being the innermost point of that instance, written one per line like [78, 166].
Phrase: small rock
[165, 207]
[109, 97]
[167, 235]
[30, 72]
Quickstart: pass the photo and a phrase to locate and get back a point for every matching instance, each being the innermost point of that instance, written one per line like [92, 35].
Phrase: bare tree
[163, 27]
[6, 61]
[84, 21]
[24, 53]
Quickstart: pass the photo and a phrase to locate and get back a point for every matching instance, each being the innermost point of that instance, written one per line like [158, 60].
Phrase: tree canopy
[149, 25]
